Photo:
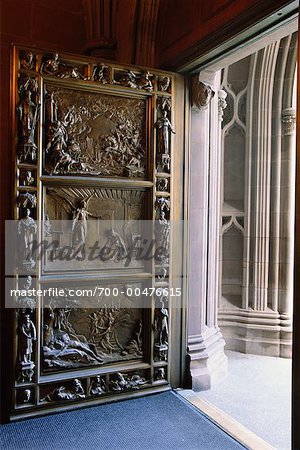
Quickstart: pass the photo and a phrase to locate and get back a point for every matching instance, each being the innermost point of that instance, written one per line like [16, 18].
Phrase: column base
[207, 360]
[257, 332]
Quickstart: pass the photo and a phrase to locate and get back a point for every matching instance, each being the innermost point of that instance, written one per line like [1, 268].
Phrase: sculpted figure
[64, 349]
[97, 387]
[27, 178]
[57, 136]
[28, 118]
[51, 108]
[145, 81]
[163, 204]
[54, 66]
[62, 393]
[27, 301]
[116, 245]
[79, 227]
[119, 383]
[164, 128]
[160, 374]
[164, 84]
[161, 325]
[47, 226]
[58, 158]
[162, 274]
[27, 61]
[162, 184]
[26, 228]
[78, 389]
[27, 335]
[202, 94]
[26, 396]
[101, 73]
[26, 200]
[129, 79]
[164, 236]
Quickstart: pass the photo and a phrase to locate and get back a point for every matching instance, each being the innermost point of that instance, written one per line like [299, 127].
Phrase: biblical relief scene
[96, 225]
[81, 337]
[93, 133]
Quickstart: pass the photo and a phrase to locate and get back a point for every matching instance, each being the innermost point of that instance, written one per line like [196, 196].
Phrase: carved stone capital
[221, 103]
[202, 93]
[288, 118]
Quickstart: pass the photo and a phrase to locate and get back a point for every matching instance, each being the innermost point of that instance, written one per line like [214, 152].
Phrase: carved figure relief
[25, 396]
[162, 184]
[161, 325]
[55, 67]
[163, 205]
[26, 337]
[74, 391]
[28, 116]
[162, 237]
[113, 221]
[163, 103]
[135, 81]
[164, 84]
[202, 94]
[116, 246]
[101, 73]
[159, 374]
[79, 227]
[162, 274]
[27, 178]
[128, 79]
[95, 134]
[122, 382]
[97, 387]
[164, 128]
[26, 302]
[26, 200]
[75, 338]
[27, 60]
[145, 81]
[62, 346]
[27, 229]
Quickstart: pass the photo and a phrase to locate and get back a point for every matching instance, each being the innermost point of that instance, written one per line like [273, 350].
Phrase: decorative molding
[221, 103]
[100, 16]
[146, 32]
[288, 118]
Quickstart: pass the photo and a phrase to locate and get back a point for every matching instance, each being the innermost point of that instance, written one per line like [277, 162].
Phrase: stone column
[207, 361]
[287, 214]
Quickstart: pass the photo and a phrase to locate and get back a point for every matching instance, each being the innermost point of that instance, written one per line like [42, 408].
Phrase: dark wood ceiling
[161, 33]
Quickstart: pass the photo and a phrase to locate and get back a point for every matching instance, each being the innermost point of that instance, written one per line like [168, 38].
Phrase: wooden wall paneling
[146, 31]
[206, 25]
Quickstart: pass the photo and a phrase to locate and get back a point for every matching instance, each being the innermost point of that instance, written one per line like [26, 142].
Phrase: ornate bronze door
[94, 147]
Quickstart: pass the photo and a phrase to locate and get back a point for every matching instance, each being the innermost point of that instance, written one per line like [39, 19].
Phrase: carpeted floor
[162, 421]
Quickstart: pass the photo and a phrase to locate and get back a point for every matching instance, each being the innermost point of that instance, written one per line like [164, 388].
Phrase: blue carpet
[161, 421]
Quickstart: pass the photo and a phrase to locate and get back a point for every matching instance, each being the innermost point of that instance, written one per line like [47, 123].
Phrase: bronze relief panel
[93, 133]
[84, 337]
[99, 226]
[94, 152]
